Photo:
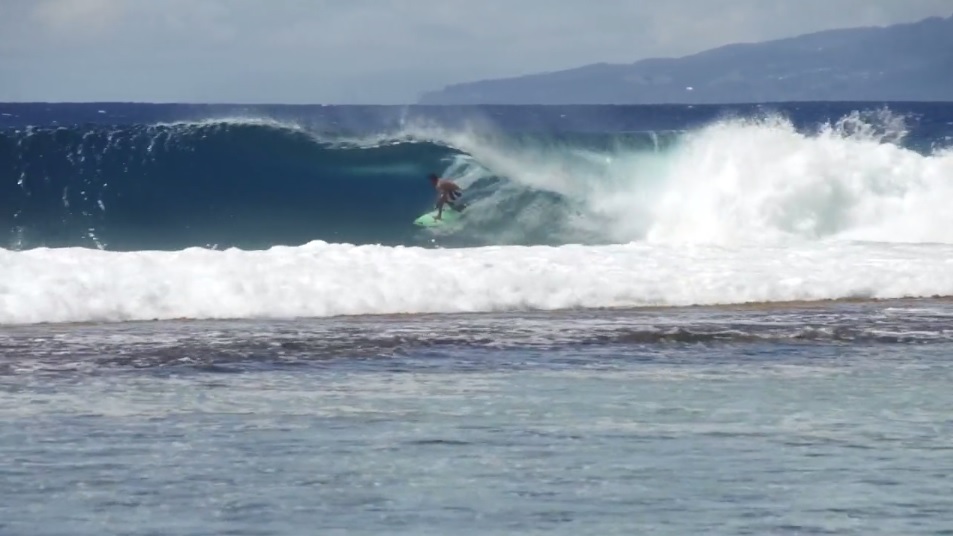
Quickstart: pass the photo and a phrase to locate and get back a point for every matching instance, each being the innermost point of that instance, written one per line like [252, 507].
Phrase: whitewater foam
[322, 279]
[734, 182]
[739, 182]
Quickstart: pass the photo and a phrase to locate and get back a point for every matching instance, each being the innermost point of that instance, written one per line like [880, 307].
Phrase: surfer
[447, 193]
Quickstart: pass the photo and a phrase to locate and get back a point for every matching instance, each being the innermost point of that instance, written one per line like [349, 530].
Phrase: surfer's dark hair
[433, 176]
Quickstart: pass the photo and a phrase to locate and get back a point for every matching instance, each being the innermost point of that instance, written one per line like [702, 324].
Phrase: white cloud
[370, 50]
[80, 18]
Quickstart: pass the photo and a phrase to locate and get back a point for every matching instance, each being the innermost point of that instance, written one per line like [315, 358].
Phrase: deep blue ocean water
[654, 320]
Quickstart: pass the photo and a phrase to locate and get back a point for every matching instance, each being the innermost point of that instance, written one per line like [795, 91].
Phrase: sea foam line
[321, 279]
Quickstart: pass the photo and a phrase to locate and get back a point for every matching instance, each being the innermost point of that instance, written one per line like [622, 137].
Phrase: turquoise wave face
[249, 186]
[252, 186]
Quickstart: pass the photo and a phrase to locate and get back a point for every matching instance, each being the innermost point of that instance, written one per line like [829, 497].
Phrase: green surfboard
[429, 219]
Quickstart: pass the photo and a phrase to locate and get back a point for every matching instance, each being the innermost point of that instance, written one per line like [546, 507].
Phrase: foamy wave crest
[321, 279]
[765, 182]
[736, 181]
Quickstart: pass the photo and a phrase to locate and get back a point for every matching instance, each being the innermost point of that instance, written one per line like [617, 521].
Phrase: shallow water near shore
[821, 418]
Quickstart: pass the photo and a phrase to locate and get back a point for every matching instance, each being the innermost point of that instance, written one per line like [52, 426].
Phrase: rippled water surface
[800, 419]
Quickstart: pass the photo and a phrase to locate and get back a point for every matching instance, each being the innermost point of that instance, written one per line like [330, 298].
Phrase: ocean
[220, 319]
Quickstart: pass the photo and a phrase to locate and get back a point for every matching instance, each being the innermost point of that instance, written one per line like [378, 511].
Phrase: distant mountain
[904, 62]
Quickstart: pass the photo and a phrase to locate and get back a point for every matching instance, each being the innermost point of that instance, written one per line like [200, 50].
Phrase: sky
[371, 51]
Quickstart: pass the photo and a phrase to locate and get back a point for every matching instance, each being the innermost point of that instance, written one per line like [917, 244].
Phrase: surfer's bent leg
[454, 202]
